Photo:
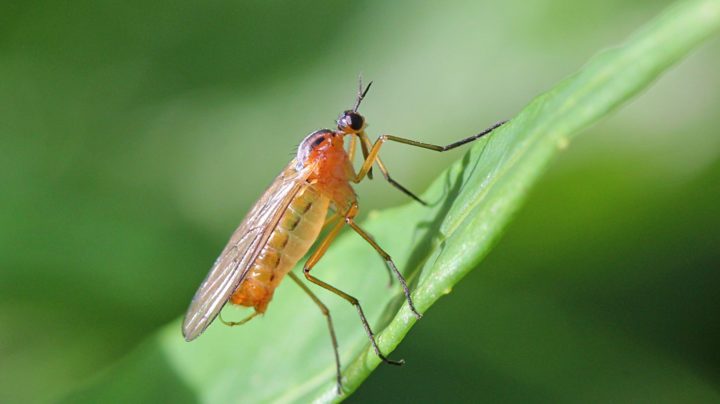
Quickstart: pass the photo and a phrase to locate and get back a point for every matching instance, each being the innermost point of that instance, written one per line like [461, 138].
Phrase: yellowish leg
[235, 323]
[351, 149]
[372, 156]
[325, 313]
[315, 257]
[365, 150]
[365, 141]
[390, 264]
[365, 146]
[330, 220]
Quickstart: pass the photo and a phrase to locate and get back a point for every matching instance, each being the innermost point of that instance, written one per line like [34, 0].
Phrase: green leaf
[286, 356]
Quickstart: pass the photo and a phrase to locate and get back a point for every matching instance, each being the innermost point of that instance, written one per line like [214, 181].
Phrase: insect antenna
[361, 93]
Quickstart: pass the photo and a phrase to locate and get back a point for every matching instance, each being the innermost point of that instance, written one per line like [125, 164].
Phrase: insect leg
[325, 313]
[314, 258]
[331, 220]
[241, 322]
[372, 156]
[351, 149]
[365, 147]
[390, 264]
[365, 142]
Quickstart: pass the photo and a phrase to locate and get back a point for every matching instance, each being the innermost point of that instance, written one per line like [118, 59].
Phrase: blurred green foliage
[135, 136]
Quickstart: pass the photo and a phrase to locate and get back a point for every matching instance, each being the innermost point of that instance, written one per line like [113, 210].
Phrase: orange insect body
[296, 231]
[300, 224]
[333, 171]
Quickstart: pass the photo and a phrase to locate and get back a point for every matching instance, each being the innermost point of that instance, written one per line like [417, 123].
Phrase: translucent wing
[237, 258]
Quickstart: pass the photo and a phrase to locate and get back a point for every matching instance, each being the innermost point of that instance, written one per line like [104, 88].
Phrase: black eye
[355, 121]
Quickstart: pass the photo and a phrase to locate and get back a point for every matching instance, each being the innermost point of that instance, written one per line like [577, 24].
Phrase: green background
[134, 137]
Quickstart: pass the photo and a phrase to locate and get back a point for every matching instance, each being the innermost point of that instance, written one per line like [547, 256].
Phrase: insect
[312, 193]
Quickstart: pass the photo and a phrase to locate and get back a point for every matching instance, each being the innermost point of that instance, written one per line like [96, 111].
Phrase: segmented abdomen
[293, 236]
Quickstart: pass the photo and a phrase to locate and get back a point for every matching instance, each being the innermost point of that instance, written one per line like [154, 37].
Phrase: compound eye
[355, 121]
[351, 121]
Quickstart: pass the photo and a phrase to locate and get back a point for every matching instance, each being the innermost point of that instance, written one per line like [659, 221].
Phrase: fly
[312, 193]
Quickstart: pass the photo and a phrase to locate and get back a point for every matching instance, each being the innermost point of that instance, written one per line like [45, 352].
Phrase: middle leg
[388, 260]
[313, 260]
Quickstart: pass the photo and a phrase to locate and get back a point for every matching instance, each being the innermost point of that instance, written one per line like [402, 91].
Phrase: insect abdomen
[293, 236]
